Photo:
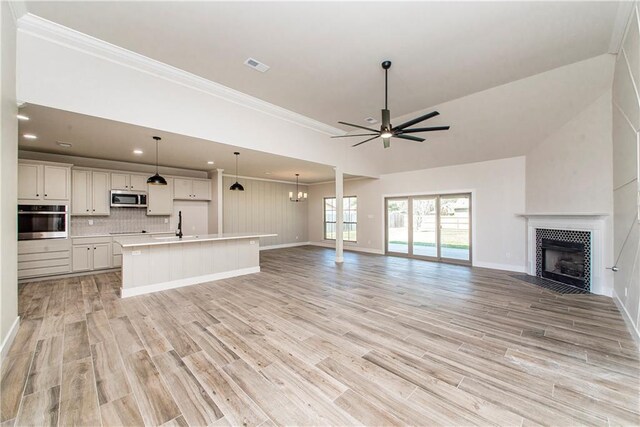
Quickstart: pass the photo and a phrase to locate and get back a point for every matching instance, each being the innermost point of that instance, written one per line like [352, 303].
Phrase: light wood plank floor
[377, 341]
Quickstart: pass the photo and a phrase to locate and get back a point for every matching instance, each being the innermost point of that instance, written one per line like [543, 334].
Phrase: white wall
[498, 194]
[264, 206]
[626, 194]
[8, 174]
[195, 217]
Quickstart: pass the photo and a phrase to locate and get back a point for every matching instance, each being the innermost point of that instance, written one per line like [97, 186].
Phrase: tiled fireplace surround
[591, 223]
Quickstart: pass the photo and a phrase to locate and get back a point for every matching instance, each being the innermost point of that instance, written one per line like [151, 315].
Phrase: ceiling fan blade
[366, 140]
[425, 129]
[386, 119]
[416, 120]
[409, 137]
[358, 126]
[386, 142]
[356, 134]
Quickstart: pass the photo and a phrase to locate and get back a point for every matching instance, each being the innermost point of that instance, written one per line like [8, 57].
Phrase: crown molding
[59, 34]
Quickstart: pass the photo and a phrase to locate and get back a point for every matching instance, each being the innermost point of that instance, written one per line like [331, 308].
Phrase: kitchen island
[156, 263]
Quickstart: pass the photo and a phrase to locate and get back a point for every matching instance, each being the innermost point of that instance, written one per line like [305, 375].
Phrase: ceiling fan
[387, 131]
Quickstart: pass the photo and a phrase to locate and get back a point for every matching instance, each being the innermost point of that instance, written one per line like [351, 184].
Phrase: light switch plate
[136, 252]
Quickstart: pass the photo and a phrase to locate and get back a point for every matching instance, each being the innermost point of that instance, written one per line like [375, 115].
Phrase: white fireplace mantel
[593, 222]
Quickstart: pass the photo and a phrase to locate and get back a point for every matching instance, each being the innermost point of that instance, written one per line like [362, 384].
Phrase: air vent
[256, 65]
[371, 120]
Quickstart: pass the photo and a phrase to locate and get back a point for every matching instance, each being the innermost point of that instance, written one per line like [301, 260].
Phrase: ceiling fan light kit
[387, 131]
[156, 179]
[236, 186]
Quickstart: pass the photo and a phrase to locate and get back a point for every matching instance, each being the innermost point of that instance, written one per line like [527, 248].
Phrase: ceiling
[98, 138]
[325, 56]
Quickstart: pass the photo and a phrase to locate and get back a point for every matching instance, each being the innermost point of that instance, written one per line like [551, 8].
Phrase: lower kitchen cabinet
[47, 257]
[90, 253]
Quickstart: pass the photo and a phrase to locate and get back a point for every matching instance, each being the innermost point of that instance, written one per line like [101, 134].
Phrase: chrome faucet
[179, 232]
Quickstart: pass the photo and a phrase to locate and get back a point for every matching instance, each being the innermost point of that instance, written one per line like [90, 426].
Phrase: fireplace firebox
[563, 262]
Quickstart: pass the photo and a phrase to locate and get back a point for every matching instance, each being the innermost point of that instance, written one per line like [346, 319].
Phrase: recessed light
[30, 136]
[267, 173]
[64, 144]
[137, 151]
[22, 117]
[210, 162]
[371, 120]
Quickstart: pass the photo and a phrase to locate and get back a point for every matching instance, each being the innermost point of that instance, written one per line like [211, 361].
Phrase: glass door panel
[455, 237]
[424, 227]
[398, 225]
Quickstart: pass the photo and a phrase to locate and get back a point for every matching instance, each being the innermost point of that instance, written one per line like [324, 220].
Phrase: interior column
[219, 205]
[339, 215]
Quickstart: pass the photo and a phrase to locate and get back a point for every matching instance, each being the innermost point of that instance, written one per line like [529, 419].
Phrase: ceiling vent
[256, 65]
[371, 120]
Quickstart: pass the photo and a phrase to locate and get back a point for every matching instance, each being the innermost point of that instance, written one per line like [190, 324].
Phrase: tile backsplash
[121, 220]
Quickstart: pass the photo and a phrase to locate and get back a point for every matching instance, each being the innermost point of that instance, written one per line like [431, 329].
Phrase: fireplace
[564, 256]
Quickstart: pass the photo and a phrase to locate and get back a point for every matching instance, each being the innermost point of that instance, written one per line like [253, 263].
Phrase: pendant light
[300, 196]
[236, 185]
[156, 179]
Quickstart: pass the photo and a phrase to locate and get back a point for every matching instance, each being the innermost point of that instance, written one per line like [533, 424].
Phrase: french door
[434, 227]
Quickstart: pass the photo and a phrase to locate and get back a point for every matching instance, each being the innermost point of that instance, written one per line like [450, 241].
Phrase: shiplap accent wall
[265, 207]
[626, 188]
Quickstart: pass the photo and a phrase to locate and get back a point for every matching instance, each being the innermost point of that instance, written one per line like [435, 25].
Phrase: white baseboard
[348, 248]
[284, 245]
[633, 329]
[163, 286]
[495, 266]
[8, 340]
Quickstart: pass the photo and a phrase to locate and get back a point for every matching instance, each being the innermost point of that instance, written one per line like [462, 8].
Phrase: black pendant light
[156, 179]
[236, 185]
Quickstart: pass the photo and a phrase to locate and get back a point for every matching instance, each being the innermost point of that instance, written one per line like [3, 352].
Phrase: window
[350, 220]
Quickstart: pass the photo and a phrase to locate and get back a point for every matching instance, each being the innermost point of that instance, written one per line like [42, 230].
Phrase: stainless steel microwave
[128, 199]
[43, 222]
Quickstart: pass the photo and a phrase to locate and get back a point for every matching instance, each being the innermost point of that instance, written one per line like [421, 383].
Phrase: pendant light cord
[157, 156]
[386, 89]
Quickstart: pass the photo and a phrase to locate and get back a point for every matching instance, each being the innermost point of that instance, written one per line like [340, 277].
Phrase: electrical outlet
[508, 255]
[626, 292]
[134, 253]
[90, 222]
[297, 237]
[252, 242]
[166, 220]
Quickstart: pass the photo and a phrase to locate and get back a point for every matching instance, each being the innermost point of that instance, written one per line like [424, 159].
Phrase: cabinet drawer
[43, 256]
[116, 261]
[46, 245]
[44, 271]
[57, 262]
[90, 240]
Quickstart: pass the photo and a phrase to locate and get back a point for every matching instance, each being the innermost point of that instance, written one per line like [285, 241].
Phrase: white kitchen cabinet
[48, 257]
[191, 189]
[28, 181]
[40, 181]
[128, 182]
[56, 182]
[160, 199]
[81, 257]
[90, 192]
[91, 253]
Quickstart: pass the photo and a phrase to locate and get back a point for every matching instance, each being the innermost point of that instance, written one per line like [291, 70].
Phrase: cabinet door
[81, 256]
[56, 183]
[80, 192]
[28, 181]
[100, 193]
[201, 190]
[182, 188]
[160, 201]
[101, 256]
[138, 182]
[120, 181]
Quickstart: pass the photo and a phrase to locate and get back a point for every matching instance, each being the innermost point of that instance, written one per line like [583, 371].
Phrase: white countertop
[150, 240]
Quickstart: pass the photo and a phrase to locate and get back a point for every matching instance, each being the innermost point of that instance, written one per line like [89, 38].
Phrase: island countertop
[146, 240]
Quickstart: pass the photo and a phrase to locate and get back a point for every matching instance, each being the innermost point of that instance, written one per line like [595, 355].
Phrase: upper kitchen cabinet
[160, 200]
[130, 182]
[191, 189]
[44, 181]
[90, 192]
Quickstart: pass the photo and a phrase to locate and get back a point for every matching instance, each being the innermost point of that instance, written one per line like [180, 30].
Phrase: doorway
[433, 227]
